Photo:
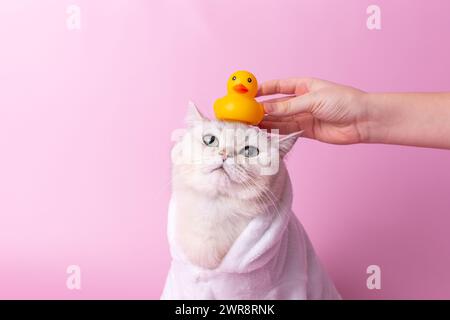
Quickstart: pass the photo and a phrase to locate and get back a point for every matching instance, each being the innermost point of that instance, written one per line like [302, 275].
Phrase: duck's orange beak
[240, 88]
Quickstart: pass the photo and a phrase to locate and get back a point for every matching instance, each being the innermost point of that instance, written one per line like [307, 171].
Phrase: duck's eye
[249, 80]
[249, 151]
[210, 140]
[234, 78]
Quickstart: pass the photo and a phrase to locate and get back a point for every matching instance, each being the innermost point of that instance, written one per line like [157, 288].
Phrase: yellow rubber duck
[239, 104]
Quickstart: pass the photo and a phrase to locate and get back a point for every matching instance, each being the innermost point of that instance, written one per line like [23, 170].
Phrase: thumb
[299, 104]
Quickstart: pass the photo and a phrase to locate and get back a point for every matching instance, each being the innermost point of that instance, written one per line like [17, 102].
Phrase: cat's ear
[193, 115]
[286, 142]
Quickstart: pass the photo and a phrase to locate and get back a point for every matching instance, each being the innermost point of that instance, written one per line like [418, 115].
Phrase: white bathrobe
[271, 259]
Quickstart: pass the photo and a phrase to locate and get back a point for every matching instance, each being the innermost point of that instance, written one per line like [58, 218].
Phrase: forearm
[414, 119]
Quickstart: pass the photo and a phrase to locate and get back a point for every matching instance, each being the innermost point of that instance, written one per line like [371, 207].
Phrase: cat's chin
[219, 178]
[214, 183]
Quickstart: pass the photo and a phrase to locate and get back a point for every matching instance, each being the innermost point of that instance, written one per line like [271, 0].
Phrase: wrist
[377, 119]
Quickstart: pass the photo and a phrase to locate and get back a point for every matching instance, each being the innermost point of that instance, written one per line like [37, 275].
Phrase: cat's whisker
[259, 202]
[260, 198]
[268, 193]
[242, 176]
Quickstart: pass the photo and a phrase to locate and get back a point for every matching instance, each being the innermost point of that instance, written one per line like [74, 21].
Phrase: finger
[300, 104]
[284, 86]
[283, 127]
[292, 125]
[287, 128]
[280, 99]
[297, 117]
[271, 118]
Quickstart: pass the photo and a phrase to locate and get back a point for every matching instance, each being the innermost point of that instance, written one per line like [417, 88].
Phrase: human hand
[326, 111]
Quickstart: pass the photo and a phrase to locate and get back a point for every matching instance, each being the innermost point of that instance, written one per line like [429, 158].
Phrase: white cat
[231, 230]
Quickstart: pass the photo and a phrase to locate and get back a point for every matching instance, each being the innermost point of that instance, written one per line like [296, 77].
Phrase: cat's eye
[249, 80]
[234, 78]
[210, 140]
[249, 151]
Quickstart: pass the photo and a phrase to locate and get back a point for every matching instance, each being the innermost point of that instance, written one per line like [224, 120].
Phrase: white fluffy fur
[217, 191]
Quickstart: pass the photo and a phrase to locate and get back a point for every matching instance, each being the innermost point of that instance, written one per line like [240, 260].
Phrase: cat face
[228, 158]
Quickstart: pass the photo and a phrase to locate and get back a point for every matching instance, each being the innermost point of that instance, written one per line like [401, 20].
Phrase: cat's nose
[225, 154]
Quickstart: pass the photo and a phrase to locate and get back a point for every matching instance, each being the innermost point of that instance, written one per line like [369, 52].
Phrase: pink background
[86, 117]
